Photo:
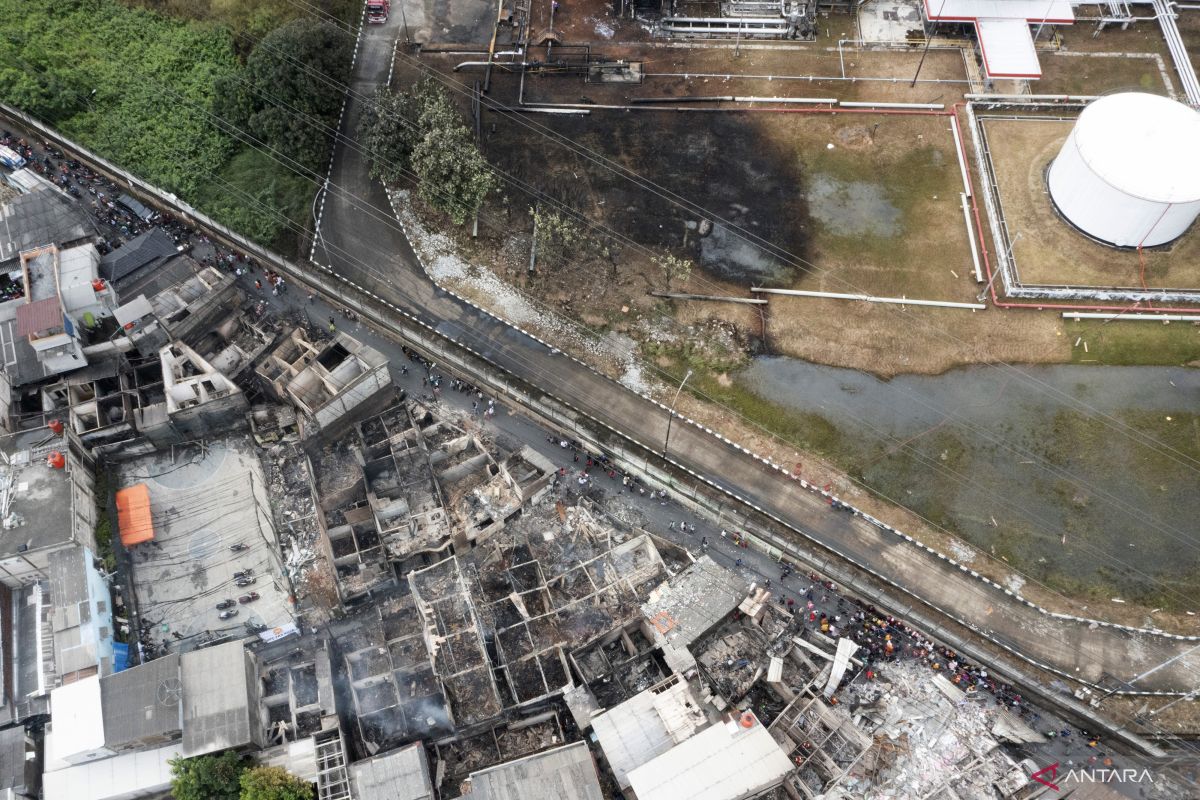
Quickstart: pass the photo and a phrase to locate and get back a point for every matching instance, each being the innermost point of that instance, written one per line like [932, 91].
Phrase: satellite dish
[170, 692]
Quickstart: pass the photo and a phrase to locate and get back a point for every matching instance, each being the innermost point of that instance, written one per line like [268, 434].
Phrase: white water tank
[1129, 173]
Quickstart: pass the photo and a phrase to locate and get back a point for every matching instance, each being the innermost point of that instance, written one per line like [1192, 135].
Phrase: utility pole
[404, 20]
[671, 417]
[928, 41]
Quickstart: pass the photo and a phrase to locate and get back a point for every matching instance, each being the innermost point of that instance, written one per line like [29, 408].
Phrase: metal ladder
[333, 779]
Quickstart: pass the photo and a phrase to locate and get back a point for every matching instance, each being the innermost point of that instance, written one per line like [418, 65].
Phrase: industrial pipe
[903, 301]
[1078, 315]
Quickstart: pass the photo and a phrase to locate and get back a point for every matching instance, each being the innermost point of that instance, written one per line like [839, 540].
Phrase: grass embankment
[141, 88]
[1133, 343]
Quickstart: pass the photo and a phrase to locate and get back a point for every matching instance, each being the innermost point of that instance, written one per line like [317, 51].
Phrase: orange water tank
[55, 426]
[747, 720]
[56, 460]
[98, 285]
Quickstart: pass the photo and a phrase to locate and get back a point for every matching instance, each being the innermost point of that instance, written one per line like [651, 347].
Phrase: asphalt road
[360, 239]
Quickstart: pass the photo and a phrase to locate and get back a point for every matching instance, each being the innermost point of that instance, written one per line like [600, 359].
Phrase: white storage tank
[1129, 173]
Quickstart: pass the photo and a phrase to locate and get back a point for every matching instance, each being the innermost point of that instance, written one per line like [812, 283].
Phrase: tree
[556, 236]
[452, 175]
[274, 783]
[422, 132]
[207, 777]
[559, 238]
[674, 269]
[290, 94]
[389, 129]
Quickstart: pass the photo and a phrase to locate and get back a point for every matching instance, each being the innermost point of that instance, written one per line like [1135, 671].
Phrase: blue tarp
[120, 656]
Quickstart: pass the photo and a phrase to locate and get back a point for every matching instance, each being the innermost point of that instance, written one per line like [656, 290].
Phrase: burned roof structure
[455, 638]
[396, 694]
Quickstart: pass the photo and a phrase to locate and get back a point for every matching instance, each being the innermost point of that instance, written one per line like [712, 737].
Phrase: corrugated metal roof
[143, 703]
[41, 315]
[14, 767]
[39, 218]
[564, 773]
[68, 576]
[724, 762]
[152, 247]
[399, 775]
[646, 725]
[217, 701]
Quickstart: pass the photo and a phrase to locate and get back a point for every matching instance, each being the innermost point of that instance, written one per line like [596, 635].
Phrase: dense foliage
[132, 85]
[152, 91]
[290, 94]
[421, 133]
[207, 777]
[274, 783]
[250, 20]
[228, 777]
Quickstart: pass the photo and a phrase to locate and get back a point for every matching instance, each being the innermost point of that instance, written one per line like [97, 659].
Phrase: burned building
[407, 489]
[396, 694]
[454, 637]
[325, 380]
[565, 581]
[296, 679]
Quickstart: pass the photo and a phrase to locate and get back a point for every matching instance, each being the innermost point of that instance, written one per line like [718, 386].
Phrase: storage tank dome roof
[1144, 145]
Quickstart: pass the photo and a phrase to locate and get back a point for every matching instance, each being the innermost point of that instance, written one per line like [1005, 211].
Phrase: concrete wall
[364, 388]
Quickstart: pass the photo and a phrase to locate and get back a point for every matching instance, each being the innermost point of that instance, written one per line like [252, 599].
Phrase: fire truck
[377, 11]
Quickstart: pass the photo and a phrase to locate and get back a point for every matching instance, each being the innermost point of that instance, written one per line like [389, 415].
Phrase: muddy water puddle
[1015, 459]
[849, 208]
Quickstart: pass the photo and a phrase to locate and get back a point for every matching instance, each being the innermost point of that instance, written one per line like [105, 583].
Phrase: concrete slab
[203, 501]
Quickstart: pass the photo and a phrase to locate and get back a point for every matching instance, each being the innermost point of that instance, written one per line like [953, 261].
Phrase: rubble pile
[927, 733]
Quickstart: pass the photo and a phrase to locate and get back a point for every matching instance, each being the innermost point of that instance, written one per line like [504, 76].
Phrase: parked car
[244, 582]
[243, 573]
[239, 547]
[230, 614]
[248, 598]
[224, 604]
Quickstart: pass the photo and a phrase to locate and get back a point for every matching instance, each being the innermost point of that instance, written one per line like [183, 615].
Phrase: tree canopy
[290, 94]
[132, 85]
[274, 783]
[422, 132]
[207, 777]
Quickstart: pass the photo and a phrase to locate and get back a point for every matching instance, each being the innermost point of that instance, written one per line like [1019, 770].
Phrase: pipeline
[900, 301]
[508, 65]
[729, 98]
[858, 104]
[1079, 315]
[1008, 99]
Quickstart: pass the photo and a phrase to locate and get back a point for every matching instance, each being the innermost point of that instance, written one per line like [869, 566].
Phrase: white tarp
[846, 648]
